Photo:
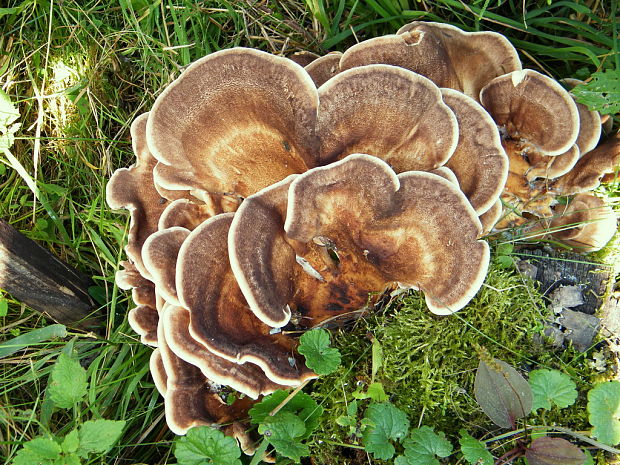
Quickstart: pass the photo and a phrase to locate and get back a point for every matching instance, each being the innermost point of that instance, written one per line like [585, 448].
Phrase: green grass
[81, 71]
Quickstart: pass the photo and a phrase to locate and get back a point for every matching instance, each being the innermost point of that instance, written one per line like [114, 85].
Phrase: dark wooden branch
[37, 278]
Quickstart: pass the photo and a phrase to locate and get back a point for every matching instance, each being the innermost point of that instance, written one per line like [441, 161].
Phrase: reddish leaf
[502, 393]
[554, 451]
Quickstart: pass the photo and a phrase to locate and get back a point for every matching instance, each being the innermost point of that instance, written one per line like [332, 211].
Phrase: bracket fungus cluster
[269, 197]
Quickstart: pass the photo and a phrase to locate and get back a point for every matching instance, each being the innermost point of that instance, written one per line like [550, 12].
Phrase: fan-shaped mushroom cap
[248, 379]
[387, 112]
[143, 320]
[132, 189]
[533, 108]
[415, 228]
[220, 318]
[158, 372]
[590, 124]
[448, 56]
[159, 255]
[490, 217]
[189, 397]
[479, 162]
[190, 215]
[303, 57]
[323, 69]
[541, 166]
[447, 174]
[591, 169]
[586, 224]
[235, 121]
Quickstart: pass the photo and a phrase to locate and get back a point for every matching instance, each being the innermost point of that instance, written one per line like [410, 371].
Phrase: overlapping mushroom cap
[264, 190]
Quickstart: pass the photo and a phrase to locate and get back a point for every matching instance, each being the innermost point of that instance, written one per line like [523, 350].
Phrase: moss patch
[429, 362]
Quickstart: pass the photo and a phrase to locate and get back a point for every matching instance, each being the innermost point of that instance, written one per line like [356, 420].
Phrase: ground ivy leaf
[285, 432]
[320, 357]
[206, 446]
[388, 423]
[68, 382]
[474, 451]
[423, 447]
[554, 451]
[604, 412]
[552, 386]
[502, 393]
[71, 442]
[303, 405]
[99, 435]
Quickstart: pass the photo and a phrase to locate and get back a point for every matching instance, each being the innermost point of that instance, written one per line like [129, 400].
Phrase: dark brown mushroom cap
[303, 57]
[542, 166]
[415, 228]
[479, 161]
[590, 125]
[534, 108]
[448, 56]
[235, 121]
[388, 112]
[159, 255]
[248, 378]
[324, 68]
[158, 372]
[490, 217]
[143, 320]
[132, 189]
[190, 215]
[447, 174]
[189, 397]
[220, 317]
[591, 169]
[588, 223]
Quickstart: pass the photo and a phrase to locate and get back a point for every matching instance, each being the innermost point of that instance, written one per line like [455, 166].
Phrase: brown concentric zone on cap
[220, 317]
[387, 112]
[235, 121]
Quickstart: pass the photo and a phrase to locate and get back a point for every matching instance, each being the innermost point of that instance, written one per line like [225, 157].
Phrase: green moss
[430, 362]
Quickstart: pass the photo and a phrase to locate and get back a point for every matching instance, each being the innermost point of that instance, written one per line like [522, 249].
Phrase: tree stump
[37, 278]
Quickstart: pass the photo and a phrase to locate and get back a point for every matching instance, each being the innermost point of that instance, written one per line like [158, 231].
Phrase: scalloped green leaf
[604, 412]
[285, 432]
[552, 387]
[320, 357]
[388, 424]
[204, 445]
[474, 451]
[424, 446]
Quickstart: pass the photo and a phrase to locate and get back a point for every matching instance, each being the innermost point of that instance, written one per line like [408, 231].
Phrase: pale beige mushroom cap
[587, 224]
[143, 320]
[235, 121]
[448, 56]
[591, 169]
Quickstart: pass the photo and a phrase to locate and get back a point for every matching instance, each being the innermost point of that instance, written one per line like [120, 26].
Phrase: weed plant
[80, 71]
